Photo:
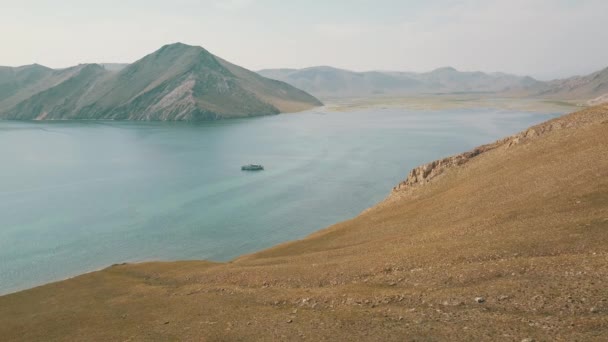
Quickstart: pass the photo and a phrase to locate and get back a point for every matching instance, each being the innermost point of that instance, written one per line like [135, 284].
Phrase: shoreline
[389, 197]
[502, 246]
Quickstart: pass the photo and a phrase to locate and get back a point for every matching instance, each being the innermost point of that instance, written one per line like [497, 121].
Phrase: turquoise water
[79, 196]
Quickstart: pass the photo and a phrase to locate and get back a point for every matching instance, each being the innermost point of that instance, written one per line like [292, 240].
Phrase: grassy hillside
[21, 83]
[177, 82]
[504, 243]
[13, 79]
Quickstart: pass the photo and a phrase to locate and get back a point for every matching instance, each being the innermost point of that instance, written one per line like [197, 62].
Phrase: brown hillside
[507, 243]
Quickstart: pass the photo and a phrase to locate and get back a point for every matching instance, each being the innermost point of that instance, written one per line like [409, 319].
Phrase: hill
[506, 242]
[177, 82]
[328, 82]
[592, 88]
[114, 66]
[332, 82]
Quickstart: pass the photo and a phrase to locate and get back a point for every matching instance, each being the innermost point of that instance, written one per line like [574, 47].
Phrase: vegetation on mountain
[177, 82]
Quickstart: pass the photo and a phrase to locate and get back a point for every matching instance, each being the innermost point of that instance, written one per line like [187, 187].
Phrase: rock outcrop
[424, 174]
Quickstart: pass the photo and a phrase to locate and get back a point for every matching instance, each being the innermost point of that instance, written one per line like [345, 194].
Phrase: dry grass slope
[522, 225]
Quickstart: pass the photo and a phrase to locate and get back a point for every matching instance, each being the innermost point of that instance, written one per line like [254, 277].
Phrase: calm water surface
[79, 196]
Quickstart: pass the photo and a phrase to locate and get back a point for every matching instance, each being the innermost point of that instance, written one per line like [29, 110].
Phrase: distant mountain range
[329, 82]
[183, 82]
[177, 82]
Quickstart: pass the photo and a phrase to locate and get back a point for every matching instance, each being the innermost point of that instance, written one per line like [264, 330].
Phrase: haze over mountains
[177, 82]
[332, 82]
[329, 82]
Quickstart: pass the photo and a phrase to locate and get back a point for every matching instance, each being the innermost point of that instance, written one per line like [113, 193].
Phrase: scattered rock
[528, 340]
[594, 310]
[166, 322]
[452, 303]
[480, 300]
[503, 297]
[289, 320]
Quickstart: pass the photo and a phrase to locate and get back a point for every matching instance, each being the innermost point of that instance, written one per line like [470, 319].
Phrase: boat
[252, 167]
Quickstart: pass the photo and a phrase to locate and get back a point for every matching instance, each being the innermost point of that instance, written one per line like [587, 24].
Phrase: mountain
[19, 84]
[508, 241]
[114, 66]
[450, 80]
[330, 82]
[177, 82]
[593, 87]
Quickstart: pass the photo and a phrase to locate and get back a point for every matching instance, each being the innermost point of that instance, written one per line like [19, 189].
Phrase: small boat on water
[252, 167]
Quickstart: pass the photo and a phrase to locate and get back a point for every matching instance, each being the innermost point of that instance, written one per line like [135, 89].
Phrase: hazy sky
[542, 38]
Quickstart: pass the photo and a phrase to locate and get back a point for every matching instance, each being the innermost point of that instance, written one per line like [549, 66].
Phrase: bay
[79, 196]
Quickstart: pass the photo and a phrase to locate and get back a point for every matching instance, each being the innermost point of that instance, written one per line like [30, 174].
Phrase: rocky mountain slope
[592, 88]
[177, 82]
[328, 82]
[506, 243]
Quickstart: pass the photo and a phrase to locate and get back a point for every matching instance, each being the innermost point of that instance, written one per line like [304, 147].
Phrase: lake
[79, 196]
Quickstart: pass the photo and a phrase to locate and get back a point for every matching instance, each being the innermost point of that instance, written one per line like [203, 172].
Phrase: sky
[542, 38]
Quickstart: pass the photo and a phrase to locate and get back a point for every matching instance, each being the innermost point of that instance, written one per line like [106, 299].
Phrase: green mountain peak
[176, 82]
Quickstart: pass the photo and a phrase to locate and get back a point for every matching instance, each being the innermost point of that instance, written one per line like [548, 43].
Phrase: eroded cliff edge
[426, 173]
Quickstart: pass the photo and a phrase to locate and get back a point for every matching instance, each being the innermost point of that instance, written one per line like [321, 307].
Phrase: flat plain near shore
[452, 101]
